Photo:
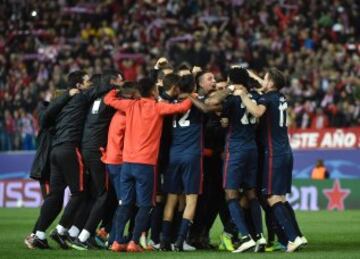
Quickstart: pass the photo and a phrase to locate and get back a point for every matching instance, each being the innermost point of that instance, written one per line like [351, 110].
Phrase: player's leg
[160, 199]
[145, 198]
[156, 221]
[172, 186]
[178, 214]
[187, 219]
[114, 172]
[287, 204]
[45, 190]
[277, 187]
[127, 195]
[249, 183]
[108, 221]
[74, 172]
[170, 205]
[213, 169]
[244, 204]
[233, 166]
[99, 179]
[51, 206]
[192, 180]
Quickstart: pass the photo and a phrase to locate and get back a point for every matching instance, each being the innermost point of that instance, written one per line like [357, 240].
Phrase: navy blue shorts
[137, 184]
[184, 175]
[277, 174]
[240, 169]
[114, 172]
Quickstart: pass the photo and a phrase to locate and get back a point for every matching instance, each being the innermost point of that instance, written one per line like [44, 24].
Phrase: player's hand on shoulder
[224, 122]
[183, 96]
[160, 62]
[196, 70]
[73, 91]
[240, 91]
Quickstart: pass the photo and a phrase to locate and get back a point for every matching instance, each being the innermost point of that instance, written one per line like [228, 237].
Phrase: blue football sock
[293, 218]
[141, 222]
[283, 218]
[176, 225]
[166, 230]
[256, 216]
[183, 230]
[238, 217]
[122, 217]
[156, 219]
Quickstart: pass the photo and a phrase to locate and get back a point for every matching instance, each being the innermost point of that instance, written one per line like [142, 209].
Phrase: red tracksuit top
[144, 120]
[113, 154]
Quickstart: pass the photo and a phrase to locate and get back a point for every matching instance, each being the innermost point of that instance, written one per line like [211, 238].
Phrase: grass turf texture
[330, 234]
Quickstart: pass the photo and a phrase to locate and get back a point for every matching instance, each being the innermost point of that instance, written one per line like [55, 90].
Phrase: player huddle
[164, 156]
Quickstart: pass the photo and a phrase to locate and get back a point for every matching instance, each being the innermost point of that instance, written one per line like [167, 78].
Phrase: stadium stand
[315, 42]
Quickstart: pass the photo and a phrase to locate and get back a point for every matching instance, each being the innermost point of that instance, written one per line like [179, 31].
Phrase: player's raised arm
[256, 77]
[218, 97]
[255, 109]
[168, 108]
[119, 104]
[205, 108]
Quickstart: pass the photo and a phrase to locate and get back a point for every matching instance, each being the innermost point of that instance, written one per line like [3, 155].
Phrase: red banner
[334, 138]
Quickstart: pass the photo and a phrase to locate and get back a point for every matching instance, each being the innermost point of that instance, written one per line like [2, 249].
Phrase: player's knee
[273, 199]
[231, 195]
[244, 202]
[159, 199]
[251, 194]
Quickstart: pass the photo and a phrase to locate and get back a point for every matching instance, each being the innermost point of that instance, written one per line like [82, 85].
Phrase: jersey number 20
[247, 117]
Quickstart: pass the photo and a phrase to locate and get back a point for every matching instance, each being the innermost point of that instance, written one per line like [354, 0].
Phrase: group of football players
[165, 155]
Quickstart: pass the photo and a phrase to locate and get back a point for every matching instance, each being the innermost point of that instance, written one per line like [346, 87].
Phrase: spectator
[315, 43]
[320, 120]
[319, 172]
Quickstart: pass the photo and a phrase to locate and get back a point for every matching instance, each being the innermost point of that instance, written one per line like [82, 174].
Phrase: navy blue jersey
[165, 140]
[187, 133]
[273, 124]
[241, 133]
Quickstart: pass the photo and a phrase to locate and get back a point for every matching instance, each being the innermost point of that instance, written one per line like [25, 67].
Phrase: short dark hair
[128, 88]
[278, 78]
[96, 80]
[146, 86]
[183, 66]
[74, 78]
[109, 75]
[187, 83]
[170, 80]
[238, 75]
[198, 77]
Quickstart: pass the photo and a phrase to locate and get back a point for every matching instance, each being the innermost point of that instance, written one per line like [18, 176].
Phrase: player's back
[143, 131]
[273, 124]
[187, 133]
[241, 132]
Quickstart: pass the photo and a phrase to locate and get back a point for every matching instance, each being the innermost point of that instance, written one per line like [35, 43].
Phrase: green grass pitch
[330, 235]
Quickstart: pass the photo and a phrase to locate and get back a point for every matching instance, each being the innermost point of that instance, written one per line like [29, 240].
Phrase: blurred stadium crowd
[315, 42]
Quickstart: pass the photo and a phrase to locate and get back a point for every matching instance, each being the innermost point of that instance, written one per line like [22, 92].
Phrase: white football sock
[84, 235]
[74, 231]
[41, 235]
[61, 230]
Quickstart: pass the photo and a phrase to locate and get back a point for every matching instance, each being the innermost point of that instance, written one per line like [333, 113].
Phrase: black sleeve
[327, 174]
[227, 105]
[50, 113]
[153, 75]
[95, 92]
